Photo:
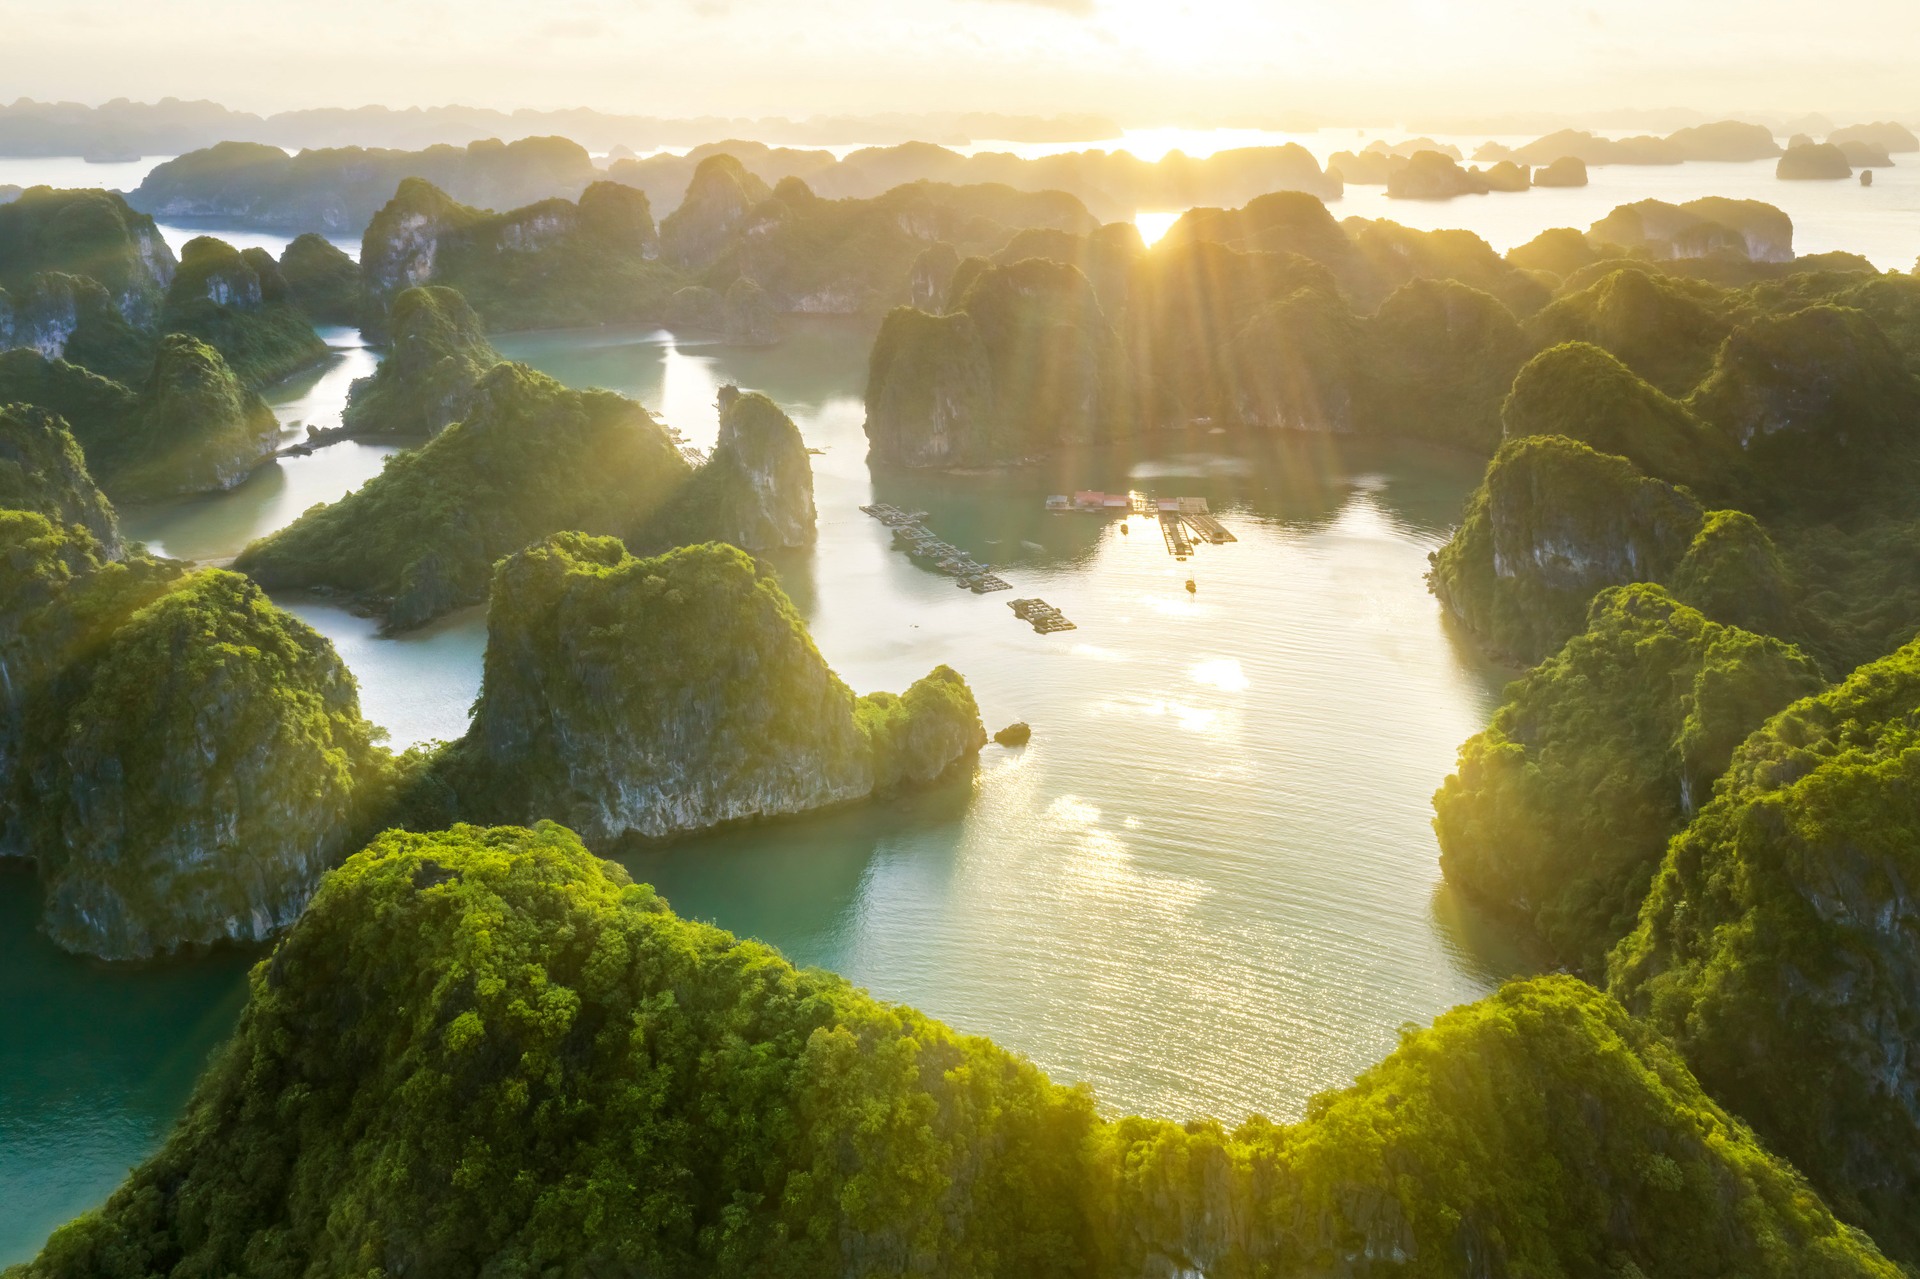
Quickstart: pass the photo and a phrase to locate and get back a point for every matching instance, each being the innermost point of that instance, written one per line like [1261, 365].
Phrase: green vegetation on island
[322, 280]
[639, 699]
[755, 490]
[487, 1051]
[1775, 948]
[554, 264]
[437, 356]
[43, 470]
[529, 458]
[1562, 808]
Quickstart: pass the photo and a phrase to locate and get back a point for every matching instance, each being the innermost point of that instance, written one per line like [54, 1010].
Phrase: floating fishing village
[1184, 522]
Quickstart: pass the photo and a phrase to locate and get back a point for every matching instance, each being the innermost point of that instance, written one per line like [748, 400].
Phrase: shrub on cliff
[1438, 361]
[530, 458]
[91, 234]
[1562, 807]
[486, 1051]
[1776, 946]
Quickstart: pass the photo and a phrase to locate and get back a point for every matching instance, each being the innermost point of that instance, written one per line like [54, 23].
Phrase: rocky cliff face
[68, 316]
[87, 233]
[547, 265]
[439, 980]
[324, 282]
[756, 489]
[653, 698]
[1666, 330]
[1025, 362]
[1816, 399]
[1555, 523]
[529, 458]
[1562, 808]
[239, 303]
[721, 194]
[199, 429]
[340, 189]
[193, 779]
[43, 470]
[1777, 945]
[433, 368]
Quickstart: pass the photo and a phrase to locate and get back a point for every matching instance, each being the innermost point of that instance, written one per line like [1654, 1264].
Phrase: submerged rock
[648, 698]
[439, 981]
[529, 458]
[438, 355]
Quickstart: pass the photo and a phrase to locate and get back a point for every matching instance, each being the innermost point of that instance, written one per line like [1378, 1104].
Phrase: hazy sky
[1144, 62]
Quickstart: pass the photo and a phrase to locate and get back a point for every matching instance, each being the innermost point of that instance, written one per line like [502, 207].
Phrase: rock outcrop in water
[323, 281]
[438, 354]
[1726, 141]
[1554, 524]
[339, 189]
[755, 490]
[1776, 946]
[183, 759]
[1888, 135]
[1813, 162]
[817, 256]
[92, 234]
[555, 264]
[1700, 228]
[1561, 808]
[1567, 171]
[529, 458]
[1026, 360]
[650, 698]
[201, 773]
[718, 199]
[1429, 175]
[240, 304]
[191, 428]
[42, 470]
[484, 1000]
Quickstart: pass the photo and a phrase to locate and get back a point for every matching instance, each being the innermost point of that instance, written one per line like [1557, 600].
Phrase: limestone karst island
[960, 639]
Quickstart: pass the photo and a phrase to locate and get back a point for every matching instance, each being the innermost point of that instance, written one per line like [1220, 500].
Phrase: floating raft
[917, 540]
[1043, 616]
